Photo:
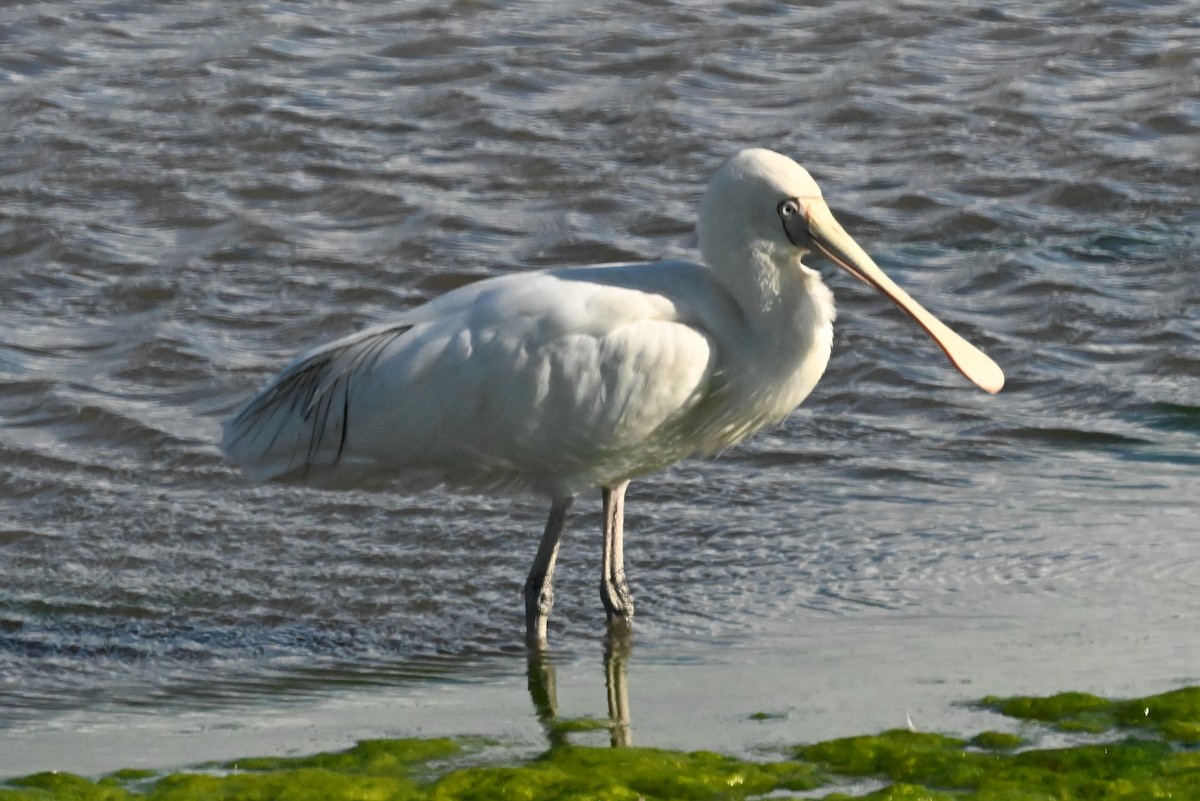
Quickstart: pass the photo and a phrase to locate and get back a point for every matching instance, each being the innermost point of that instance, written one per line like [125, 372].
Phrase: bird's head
[732, 215]
[763, 205]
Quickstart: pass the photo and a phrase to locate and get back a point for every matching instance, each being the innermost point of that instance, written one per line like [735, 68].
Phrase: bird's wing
[300, 418]
[550, 381]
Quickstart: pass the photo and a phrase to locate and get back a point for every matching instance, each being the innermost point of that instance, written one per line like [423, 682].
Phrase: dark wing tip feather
[300, 421]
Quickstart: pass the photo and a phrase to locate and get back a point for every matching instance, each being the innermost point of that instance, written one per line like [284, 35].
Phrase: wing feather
[301, 419]
[553, 382]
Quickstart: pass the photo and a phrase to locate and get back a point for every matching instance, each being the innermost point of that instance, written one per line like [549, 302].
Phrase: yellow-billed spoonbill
[564, 380]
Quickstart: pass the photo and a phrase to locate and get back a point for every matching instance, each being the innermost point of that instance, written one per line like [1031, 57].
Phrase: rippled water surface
[191, 193]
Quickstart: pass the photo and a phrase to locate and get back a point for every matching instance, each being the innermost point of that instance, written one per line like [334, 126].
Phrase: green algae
[1173, 715]
[385, 770]
[902, 756]
[1152, 755]
[933, 766]
[369, 757]
[627, 773]
[762, 717]
[992, 768]
[997, 740]
[63, 787]
[373, 769]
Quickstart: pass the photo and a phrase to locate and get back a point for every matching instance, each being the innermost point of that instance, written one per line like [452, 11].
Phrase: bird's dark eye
[795, 225]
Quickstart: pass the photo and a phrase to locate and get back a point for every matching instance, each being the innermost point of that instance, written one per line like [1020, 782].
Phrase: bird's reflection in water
[616, 680]
[543, 689]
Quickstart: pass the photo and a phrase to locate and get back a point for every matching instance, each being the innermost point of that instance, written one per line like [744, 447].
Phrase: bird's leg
[614, 592]
[539, 587]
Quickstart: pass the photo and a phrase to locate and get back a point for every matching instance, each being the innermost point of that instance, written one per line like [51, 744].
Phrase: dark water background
[190, 193]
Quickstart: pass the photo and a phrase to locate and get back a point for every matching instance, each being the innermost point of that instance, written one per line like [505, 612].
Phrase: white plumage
[564, 380]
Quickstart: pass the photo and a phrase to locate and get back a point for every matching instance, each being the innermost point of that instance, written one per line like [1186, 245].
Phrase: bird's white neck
[788, 314]
[777, 294]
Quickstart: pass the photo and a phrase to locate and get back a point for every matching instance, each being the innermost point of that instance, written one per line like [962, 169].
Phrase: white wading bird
[563, 380]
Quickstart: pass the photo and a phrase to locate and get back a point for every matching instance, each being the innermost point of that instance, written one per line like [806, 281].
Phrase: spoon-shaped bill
[831, 239]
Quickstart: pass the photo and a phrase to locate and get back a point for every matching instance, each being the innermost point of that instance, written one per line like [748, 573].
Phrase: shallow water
[191, 193]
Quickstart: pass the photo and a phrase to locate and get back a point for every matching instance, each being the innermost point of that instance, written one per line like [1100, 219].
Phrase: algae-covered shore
[1138, 748]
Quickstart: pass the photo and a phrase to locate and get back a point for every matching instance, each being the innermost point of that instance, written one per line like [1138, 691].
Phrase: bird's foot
[618, 600]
